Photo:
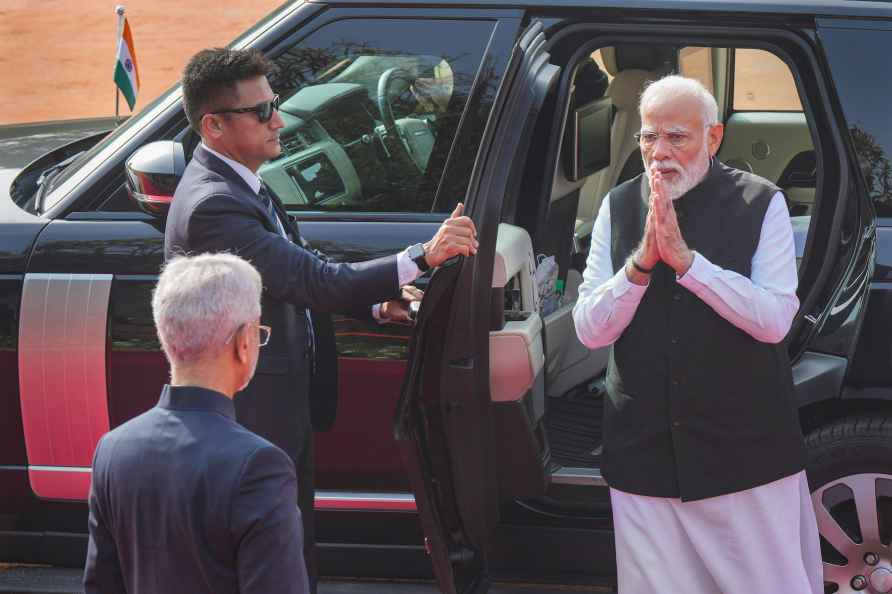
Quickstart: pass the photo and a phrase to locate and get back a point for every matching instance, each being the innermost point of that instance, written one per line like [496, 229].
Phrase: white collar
[246, 174]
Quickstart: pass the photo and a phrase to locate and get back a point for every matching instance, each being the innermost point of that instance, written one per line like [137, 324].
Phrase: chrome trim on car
[359, 496]
[62, 367]
[358, 501]
[586, 477]
[61, 468]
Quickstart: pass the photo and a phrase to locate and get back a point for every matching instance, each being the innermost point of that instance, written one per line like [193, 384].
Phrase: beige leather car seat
[624, 91]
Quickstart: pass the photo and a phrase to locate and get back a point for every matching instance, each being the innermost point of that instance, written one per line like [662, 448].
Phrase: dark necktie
[266, 199]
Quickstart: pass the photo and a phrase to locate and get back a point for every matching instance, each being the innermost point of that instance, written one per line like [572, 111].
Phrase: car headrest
[657, 58]
[625, 88]
[590, 83]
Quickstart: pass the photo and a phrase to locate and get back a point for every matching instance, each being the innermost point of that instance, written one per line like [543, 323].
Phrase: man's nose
[661, 149]
[276, 122]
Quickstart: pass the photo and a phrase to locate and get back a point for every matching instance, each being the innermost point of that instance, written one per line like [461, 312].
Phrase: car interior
[546, 386]
[362, 134]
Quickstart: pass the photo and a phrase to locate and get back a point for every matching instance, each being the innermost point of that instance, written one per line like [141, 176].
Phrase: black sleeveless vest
[696, 407]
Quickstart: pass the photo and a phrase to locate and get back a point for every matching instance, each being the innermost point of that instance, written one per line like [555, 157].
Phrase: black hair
[210, 78]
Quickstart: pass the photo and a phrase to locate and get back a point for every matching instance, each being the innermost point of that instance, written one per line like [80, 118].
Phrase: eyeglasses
[263, 332]
[264, 111]
[677, 140]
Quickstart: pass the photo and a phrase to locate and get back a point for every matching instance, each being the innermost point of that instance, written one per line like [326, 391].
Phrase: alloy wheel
[850, 517]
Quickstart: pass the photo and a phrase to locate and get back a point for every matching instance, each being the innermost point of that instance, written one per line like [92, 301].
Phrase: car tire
[850, 477]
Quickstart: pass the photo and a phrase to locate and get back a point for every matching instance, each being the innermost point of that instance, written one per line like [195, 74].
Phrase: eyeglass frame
[273, 108]
[687, 137]
[260, 329]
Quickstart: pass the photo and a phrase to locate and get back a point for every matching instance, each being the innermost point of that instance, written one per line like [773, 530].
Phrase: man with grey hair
[692, 278]
[183, 498]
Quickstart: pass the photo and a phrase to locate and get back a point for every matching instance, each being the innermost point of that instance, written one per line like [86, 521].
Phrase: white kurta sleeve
[607, 301]
[763, 305]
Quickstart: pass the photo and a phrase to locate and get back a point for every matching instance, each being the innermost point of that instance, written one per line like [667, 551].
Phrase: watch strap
[420, 260]
[641, 268]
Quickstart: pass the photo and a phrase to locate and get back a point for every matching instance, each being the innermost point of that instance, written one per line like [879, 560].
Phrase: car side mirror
[153, 172]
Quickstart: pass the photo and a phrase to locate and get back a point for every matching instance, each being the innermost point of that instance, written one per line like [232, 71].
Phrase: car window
[371, 109]
[763, 82]
[696, 62]
[855, 56]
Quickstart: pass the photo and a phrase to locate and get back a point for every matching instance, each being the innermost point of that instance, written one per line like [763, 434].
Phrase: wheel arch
[818, 414]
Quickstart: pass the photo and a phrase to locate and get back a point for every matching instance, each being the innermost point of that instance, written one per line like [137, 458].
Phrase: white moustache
[670, 164]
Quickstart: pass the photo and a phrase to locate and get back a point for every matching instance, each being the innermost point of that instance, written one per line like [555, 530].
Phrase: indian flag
[126, 72]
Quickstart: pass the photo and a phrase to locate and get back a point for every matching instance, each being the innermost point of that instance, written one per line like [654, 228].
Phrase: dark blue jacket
[215, 210]
[184, 499]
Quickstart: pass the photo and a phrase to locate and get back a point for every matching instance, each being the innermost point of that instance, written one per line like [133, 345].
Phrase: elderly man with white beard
[692, 278]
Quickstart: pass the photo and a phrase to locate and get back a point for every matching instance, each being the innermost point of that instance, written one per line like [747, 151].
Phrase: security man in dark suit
[222, 205]
[183, 498]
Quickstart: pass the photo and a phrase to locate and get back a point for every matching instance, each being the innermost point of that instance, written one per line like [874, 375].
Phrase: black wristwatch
[416, 253]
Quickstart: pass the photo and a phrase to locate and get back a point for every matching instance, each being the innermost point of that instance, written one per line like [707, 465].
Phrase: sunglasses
[264, 111]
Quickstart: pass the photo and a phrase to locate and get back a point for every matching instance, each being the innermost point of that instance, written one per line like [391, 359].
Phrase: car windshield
[122, 130]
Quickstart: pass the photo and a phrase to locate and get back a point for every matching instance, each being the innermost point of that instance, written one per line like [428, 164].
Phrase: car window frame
[502, 38]
[335, 15]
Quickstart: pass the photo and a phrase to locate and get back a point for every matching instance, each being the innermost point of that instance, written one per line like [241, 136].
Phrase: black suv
[475, 434]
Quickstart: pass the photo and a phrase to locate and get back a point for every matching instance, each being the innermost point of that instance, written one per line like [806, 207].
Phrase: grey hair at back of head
[673, 87]
[199, 301]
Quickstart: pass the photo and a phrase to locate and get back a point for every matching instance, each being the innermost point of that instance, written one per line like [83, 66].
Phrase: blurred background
[57, 57]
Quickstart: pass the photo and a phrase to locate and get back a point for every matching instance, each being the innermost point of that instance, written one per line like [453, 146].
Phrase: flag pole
[119, 11]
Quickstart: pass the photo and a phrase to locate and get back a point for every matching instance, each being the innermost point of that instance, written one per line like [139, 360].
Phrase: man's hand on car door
[457, 236]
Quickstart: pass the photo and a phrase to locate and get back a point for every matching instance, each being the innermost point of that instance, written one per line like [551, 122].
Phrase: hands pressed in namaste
[662, 237]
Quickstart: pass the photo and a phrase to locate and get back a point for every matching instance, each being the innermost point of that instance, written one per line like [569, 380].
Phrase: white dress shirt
[407, 270]
[763, 305]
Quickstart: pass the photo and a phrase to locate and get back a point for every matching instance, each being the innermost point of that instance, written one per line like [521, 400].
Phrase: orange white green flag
[126, 72]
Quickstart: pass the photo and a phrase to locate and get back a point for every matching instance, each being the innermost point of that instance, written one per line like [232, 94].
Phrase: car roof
[840, 8]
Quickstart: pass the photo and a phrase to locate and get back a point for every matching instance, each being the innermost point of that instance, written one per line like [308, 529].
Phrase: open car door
[444, 417]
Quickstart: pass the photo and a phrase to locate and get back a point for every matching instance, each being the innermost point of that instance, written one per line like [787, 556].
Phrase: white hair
[674, 87]
[202, 300]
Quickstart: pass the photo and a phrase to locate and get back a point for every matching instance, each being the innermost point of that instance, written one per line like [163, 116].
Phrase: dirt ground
[57, 57]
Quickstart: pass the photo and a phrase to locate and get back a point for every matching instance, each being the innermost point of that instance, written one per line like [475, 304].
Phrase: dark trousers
[306, 495]
[260, 409]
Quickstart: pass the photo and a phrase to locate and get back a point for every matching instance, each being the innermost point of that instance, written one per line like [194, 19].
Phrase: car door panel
[359, 452]
[445, 411]
[856, 49]
[390, 206]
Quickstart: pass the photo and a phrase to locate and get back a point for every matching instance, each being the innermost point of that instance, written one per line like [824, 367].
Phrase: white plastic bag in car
[546, 277]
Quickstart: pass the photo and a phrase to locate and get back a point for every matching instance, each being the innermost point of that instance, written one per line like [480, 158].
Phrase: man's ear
[211, 126]
[243, 344]
[714, 138]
